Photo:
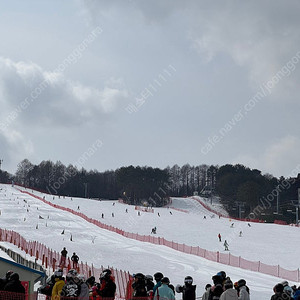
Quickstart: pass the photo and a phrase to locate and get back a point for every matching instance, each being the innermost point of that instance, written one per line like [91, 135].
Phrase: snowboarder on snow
[226, 246]
[153, 230]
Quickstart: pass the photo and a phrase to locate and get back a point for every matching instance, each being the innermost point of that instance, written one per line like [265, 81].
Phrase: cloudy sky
[109, 83]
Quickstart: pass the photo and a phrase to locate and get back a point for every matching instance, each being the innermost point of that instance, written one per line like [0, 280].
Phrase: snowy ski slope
[272, 244]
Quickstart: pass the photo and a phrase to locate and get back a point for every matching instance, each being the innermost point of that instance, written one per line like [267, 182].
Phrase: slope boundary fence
[50, 258]
[216, 256]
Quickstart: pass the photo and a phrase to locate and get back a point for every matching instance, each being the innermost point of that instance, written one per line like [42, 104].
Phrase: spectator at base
[244, 293]
[14, 285]
[149, 285]
[158, 276]
[58, 285]
[230, 293]
[47, 288]
[164, 292]
[188, 290]
[4, 280]
[71, 289]
[107, 285]
[216, 290]
[139, 285]
[287, 289]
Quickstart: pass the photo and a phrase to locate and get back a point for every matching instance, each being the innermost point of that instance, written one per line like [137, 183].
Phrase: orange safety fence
[40, 251]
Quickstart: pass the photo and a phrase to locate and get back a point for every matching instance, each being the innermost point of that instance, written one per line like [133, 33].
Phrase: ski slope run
[21, 212]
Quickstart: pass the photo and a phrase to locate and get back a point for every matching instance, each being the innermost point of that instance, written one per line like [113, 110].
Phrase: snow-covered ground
[269, 243]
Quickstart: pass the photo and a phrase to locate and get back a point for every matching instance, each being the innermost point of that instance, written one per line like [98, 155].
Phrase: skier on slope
[226, 245]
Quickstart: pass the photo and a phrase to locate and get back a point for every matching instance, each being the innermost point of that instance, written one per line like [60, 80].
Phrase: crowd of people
[156, 287]
[222, 288]
[76, 286]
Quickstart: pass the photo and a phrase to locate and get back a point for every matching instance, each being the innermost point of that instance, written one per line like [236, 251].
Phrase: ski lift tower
[1, 160]
[240, 205]
[296, 203]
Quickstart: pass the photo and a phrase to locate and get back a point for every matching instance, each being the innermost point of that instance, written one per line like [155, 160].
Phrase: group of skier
[76, 286]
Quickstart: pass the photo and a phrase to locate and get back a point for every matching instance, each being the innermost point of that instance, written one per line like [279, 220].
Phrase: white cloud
[279, 158]
[51, 94]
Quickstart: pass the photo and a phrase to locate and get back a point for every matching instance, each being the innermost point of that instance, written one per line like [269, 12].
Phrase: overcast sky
[109, 83]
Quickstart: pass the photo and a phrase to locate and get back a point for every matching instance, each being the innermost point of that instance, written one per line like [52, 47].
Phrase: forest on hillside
[244, 192]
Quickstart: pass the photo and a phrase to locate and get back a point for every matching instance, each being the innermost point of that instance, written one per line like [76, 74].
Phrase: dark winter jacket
[215, 292]
[70, 289]
[15, 286]
[107, 289]
[64, 253]
[297, 295]
[149, 285]
[75, 258]
[189, 292]
[139, 288]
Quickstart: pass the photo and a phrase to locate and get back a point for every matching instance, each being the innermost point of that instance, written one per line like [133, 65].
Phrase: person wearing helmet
[58, 285]
[107, 285]
[149, 284]
[14, 284]
[287, 289]
[158, 276]
[164, 292]
[4, 280]
[46, 289]
[216, 290]
[71, 287]
[188, 290]
[139, 285]
[243, 290]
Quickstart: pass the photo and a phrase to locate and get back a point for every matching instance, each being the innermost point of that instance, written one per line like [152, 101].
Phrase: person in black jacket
[4, 280]
[107, 285]
[139, 285]
[14, 285]
[75, 260]
[71, 289]
[188, 290]
[63, 258]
